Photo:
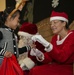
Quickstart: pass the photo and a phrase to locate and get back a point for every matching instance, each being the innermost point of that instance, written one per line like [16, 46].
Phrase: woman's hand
[39, 55]
[8, 54]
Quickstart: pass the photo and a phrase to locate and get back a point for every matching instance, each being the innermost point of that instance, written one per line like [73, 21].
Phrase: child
[8, 40]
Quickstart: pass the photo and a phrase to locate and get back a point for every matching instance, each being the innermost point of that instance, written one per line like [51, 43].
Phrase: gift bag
[10, 66]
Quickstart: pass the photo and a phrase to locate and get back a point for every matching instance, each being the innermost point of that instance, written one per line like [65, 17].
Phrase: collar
[7, 28]
[59, 42]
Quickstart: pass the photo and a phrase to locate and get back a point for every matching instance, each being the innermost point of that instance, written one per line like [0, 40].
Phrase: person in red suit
[59, 55]
[26, 31]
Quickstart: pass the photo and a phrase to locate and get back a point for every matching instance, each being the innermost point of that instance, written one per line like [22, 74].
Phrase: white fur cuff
[49, 48]
[28, 63]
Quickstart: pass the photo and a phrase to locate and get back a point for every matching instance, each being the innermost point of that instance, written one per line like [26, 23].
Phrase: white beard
[25, 41]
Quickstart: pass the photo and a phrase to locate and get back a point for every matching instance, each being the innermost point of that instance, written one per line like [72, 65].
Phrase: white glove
[40, 39]
[39, 55]
[36, 52]
[48, 46]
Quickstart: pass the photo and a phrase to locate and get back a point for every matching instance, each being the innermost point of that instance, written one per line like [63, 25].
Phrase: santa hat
[59, 16]
[28, 28]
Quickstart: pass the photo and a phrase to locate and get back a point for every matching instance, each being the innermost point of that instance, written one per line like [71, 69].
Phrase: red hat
[28, 28]
[59, 16]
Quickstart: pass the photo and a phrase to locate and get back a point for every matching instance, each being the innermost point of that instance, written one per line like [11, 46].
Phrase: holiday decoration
[55, 3]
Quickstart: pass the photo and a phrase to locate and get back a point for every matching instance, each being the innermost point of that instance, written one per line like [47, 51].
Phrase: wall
[42, 8]
[2, 5]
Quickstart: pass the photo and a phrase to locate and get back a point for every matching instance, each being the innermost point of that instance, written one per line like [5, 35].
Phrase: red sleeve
[62, 53]
[47, 58]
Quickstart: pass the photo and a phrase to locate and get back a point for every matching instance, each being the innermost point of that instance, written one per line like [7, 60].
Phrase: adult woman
[59, 54]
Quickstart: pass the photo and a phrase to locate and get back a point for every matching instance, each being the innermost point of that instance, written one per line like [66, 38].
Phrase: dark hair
[1, 13]
[6, 13]
[67, 26]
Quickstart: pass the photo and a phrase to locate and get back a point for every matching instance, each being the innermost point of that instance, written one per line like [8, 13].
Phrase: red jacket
[60, 60]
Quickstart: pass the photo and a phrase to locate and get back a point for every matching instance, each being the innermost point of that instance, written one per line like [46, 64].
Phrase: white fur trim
[58, 18]
[28, 63]
[59, 42]
[21, 33]
[49, 48]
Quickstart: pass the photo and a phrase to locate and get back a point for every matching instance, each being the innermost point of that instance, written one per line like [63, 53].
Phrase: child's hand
[33, 46]
[8, 54]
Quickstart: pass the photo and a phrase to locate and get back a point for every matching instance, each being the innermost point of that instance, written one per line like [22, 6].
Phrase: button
[14, 46]
[15, 52]
[13, 39]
